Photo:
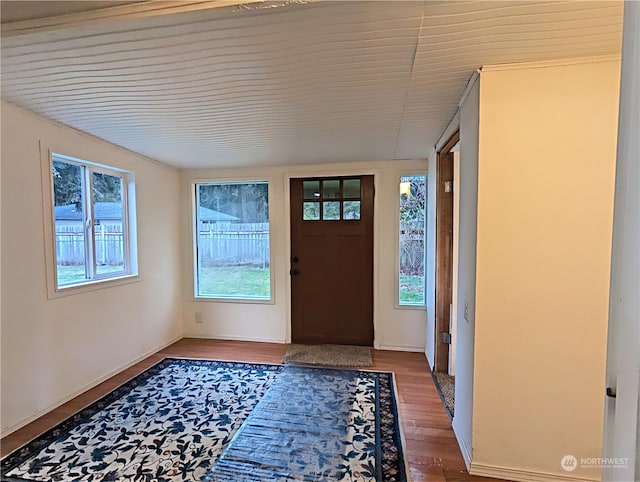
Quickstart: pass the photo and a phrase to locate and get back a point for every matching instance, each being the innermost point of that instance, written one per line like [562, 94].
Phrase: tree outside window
[412, 230]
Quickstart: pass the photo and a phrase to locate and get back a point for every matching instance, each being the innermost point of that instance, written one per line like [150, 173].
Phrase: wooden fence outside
[224, 244]
[219, 244]
[109, 245]
[411, 250]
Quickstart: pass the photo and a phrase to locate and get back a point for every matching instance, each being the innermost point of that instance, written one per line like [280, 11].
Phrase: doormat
[328, 355]
[181, 418]
[445, 384]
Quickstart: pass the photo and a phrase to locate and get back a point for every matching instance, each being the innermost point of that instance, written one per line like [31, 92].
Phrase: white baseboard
[523, 475]
[206, 336]
[234, 338]
[12, 428]
[430, 362]
[415, 349]
[464, 448]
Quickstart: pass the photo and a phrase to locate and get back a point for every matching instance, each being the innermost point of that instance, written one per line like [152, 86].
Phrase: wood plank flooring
[430, 445]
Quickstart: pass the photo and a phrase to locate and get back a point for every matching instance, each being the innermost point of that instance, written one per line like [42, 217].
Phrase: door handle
[294, 272]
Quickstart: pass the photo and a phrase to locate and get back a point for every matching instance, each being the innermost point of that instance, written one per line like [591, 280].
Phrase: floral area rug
[203, 420]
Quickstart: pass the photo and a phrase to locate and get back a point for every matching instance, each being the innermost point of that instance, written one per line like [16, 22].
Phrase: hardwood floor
[430, 445]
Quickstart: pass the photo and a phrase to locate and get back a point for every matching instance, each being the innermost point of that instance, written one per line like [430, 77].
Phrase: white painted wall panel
[55, 348]
[466, 296]
[622, 414]
[545, 213]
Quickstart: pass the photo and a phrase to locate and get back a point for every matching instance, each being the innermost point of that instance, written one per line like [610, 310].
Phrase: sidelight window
[411, 281]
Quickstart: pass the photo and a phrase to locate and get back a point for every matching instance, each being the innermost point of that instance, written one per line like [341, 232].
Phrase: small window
[351, 210]
[91, 222]
[333, 199]
[311, 211]
[411, 246]
[233, 257]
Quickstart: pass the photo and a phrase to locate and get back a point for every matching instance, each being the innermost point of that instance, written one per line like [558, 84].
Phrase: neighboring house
[104, 213]
[111, 213]
[210, 216]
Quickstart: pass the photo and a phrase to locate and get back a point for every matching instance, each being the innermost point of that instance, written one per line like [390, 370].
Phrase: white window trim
[194, 241]
[398, 305]
[129, 220]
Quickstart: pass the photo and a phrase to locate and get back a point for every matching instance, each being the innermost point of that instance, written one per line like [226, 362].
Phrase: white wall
[430, 260]
[467, 218]
[622, 414]
[53, 349]
[395, 328]
[454, 265]
[545, 201]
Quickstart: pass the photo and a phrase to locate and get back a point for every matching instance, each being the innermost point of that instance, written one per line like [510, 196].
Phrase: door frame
[337, 172]
[442, 322]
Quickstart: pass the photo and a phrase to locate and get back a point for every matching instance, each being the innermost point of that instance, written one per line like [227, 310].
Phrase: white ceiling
[288, 83]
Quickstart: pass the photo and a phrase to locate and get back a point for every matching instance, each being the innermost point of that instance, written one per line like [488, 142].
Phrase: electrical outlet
[198, 318]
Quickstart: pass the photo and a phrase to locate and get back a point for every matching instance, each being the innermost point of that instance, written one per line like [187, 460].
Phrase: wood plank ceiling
[287, 82]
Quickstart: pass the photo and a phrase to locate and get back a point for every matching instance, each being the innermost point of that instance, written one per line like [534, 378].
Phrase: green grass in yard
[243, 282]
[70, 274]
[411, 290]
[235, 282]
[75, 274]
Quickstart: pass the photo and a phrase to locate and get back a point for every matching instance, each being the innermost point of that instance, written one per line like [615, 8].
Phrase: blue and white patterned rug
[187, 420]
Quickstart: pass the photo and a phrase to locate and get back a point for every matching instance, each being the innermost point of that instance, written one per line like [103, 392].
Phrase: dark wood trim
[444, 260]
[453, 140]
[444, 253]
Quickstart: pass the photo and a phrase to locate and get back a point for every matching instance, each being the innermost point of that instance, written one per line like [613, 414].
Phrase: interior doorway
[447, 200]
[444, 253]
[332, 260]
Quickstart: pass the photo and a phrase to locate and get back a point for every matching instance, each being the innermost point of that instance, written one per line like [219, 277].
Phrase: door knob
[294, 272]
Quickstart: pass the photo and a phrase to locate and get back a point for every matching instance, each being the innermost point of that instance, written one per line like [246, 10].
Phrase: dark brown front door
[332, 260]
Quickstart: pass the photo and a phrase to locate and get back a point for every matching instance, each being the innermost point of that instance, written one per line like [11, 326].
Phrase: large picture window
[91, 222]
[411, 280]
[233, 258]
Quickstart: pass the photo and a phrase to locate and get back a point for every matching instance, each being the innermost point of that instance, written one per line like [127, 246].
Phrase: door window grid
[331, 199]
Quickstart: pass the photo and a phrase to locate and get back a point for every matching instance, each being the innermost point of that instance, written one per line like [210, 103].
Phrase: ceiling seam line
[413, 66]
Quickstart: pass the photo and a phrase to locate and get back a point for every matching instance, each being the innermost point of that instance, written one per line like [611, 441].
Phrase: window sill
[411, 307]
[249, 301]
[93, 285]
